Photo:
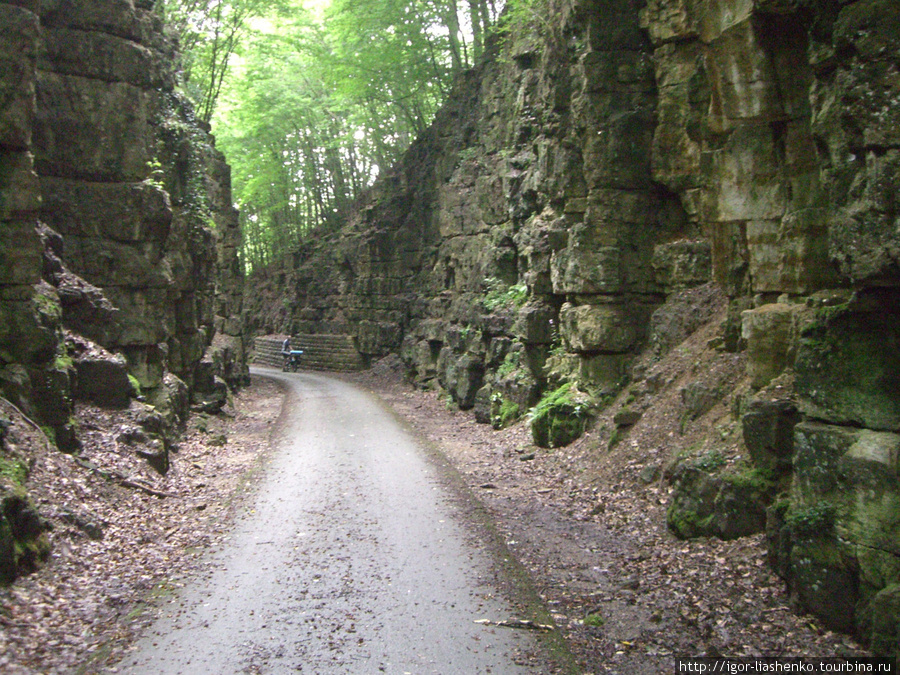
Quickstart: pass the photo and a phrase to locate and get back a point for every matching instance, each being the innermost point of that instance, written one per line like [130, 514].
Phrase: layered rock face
[30, 326]
[118, 238]
[525, 219]
[615, 156]
[142, 240]
[133, 185]
[777, 128]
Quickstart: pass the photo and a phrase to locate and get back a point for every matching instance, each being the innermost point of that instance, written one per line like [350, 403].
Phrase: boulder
[598, 328]
[559, 418]
[462, 376]
[838, 538]
[727, 506]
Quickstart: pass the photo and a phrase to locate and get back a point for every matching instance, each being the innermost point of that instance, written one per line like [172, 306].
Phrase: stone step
[320, 352]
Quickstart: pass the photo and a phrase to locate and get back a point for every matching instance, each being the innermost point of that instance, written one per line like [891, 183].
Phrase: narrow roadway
[352, 557]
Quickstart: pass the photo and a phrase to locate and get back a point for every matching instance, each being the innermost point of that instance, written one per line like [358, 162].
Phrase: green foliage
[811, 521]
[524, 17]
[556, 398]
[500, 296]
[469, 333]
[311, 105]
[510, 365]
[135, 385]
[503, 411]
[63, 362]
[594, 620]
[155, 173]
[209, 33]
[14, 470]
[710, 462]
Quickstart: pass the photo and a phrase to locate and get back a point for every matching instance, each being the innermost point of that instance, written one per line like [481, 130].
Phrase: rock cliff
[547, 230]
[119, 276]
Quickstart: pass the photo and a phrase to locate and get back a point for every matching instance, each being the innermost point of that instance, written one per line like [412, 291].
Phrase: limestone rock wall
[777, 128]
[617, 153]
[30, 310]
[133, 184]
[139, 238]
[525, 219]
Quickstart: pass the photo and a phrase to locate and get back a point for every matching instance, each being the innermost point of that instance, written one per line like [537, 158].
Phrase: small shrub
[500, 296]
[63, 362]
[135, 386]
[594, 619]
[510, 364]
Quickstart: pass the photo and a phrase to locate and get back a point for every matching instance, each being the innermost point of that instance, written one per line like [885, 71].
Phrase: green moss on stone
[503, 411]
[815, 520]
[687, 524]
[559, 418]
[710, 462]
[752, 479]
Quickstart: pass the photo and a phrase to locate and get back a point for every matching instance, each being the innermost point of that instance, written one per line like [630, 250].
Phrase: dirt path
[355, 556]
[590, 527]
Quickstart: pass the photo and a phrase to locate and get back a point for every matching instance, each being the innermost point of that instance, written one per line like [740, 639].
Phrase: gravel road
[353, 556]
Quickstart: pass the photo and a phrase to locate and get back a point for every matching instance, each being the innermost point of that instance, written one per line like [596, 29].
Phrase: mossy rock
[768, 432]
[557, 427]
[559, 418]
[727, 506]
[825, 579]
[503, 411]
[23, 540]
[848, 367]
[884, 623]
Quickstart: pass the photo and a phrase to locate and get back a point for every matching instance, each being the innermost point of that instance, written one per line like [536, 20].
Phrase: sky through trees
[312, 99]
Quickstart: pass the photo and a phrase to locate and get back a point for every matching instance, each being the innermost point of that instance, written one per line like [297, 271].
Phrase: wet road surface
[353, 557]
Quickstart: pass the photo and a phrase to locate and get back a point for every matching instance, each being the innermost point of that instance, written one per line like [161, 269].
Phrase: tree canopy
[312, 99]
